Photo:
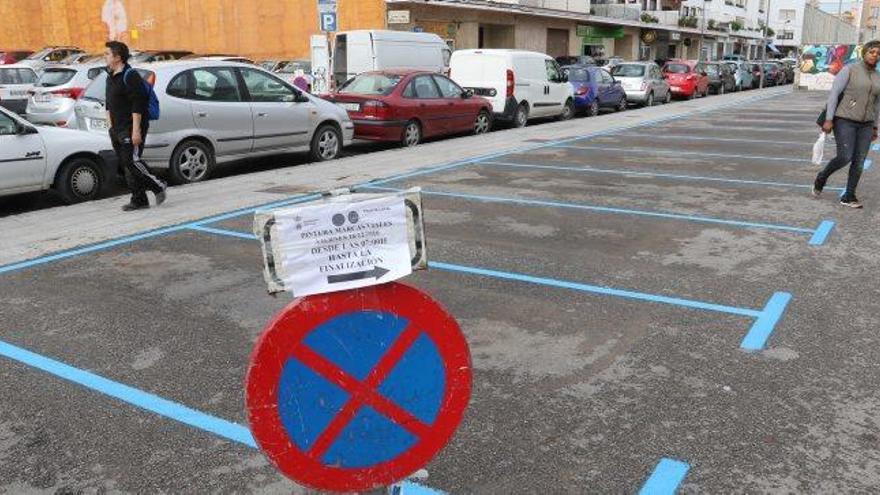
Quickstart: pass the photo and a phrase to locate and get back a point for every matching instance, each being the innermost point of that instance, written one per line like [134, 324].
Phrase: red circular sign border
[302, 316]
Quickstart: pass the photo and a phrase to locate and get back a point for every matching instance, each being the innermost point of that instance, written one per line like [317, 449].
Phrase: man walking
[127, 108]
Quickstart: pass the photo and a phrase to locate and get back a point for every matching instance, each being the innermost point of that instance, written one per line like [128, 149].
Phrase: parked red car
[408, 106]
[13, 56]
[686, 78]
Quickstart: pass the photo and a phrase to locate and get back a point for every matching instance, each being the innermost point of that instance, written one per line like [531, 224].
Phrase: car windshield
[578, 74]
[292, 67]
[628, 70]
[712, 69]
[55, 77]
[40, 54]
[371, 84]
[677, 68]
[769, 67]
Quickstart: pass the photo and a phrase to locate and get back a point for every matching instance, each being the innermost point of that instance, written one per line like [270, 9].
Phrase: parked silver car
[215, 112]
[643, 82]
[16, 81]
[52, 100]
[50, 55]
[742, 74]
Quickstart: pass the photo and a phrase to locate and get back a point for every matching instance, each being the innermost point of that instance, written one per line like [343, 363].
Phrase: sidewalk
[38, 233]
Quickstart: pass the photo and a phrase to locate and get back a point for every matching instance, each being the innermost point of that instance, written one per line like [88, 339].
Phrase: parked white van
[521, 85]
[355, 52]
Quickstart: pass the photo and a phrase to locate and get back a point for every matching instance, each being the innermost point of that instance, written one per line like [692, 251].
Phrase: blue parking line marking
[153, 403]
[875, 147]
[679, 152]
[763, 327]
[666, 477]
[138, 398]
[252, 209]
[587, 169]
[766, 319]
[822, 233]
[606, 209]
[70, 253]
[867, 164]
[230, 233]
[720, 139]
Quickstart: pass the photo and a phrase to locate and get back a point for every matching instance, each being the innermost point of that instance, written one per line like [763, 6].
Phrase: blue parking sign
[328, 21]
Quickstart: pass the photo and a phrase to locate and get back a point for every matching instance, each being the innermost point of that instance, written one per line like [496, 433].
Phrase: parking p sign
[328, 21]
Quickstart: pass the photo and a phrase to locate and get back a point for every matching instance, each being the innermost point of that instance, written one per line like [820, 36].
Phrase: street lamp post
[764, 42]
[702, 30]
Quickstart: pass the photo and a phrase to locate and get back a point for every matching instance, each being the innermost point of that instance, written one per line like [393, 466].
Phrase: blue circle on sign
[338, 420]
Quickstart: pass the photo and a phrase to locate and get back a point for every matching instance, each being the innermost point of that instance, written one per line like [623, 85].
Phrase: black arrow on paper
[377, 272]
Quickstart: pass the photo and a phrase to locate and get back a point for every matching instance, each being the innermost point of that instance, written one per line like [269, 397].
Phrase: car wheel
[192, 161]
[668, 97]
[412, 134]
[593, 109]
[649, 100]
[80, 180]
[326, 143]
[521, 117]
[483, 123]
[567, 111]
[621, 105]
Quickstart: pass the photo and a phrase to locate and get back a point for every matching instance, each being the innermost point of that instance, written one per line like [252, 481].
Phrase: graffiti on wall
[820, 63]
[113, 15]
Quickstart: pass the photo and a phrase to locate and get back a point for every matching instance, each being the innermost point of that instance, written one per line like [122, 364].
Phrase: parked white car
[74, 164]
[521, 85]
[16, 80]
[215, 112]
[54, 95]
[356, 52]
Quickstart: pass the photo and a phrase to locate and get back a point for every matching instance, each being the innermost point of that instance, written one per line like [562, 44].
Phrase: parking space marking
[824, 226]
[212, 230]
[721, 139]
[875, 147]
[761, 330]
[666, 477]
[660, 175]
[679, 127]
[135, 397]
[868, 164]
[680, 152]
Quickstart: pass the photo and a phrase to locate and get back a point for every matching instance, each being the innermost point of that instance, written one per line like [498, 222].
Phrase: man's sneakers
[851, 202]
[817, 187]
[160, 196]
[134, 206]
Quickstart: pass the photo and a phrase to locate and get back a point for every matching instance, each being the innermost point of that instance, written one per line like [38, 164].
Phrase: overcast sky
[832, 6]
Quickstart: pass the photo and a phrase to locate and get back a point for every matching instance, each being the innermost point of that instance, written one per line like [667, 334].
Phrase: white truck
[355, 52]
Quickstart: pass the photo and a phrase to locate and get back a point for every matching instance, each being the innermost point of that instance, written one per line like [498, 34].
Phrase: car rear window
[677, 68]
[17, 76]
[55, 77]
[578, 75]
[371, 84]
[97, 89]
[628, 70]
[712, 69]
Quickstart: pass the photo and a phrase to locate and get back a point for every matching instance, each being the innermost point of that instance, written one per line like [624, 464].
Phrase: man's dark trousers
[138, 177]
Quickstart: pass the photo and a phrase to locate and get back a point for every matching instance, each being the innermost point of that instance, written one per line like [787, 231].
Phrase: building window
[875, 12]
[785, 35]
[787, 14]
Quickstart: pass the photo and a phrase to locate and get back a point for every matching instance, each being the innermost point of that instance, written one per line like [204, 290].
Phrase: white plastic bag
[819, 149]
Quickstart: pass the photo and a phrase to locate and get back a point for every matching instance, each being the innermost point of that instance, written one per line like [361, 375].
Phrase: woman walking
[853, 113]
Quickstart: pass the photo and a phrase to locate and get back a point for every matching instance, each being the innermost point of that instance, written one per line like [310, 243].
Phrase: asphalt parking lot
[661, 304]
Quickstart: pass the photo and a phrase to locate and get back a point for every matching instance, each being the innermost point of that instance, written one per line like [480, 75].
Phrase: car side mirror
[468, 93]
[301, 98]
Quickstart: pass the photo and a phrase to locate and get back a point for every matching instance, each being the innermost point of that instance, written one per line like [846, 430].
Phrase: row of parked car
[214, 110]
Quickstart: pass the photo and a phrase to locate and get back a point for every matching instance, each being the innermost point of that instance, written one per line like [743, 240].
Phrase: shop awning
[772, 48]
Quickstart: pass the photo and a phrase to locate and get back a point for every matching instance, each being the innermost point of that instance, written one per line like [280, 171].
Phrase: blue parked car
[594, 88]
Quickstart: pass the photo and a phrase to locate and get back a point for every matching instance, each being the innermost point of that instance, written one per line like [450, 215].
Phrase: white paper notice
[338, 246]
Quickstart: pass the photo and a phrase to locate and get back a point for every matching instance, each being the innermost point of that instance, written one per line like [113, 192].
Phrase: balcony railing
[616, 11]
[579, 6]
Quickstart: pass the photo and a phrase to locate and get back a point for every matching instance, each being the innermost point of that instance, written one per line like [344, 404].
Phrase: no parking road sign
[355, 390]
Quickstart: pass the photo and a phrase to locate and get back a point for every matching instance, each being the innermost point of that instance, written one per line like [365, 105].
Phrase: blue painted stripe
[763, 327]
[133, 396]
[687, 153]
[410, 488]
[253, 209]
[720, 139]
[666, 478]
[822, 233]
[595, 289]
[605, 209]
[875, 147]
[230, 233]
[654, 174]
[562, 284]
[86, 249]
[868, 164]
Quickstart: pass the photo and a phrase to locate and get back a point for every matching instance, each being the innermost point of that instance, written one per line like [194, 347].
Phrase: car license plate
[351, 107]
[43, 98]
[99, 124]
[18, 94]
